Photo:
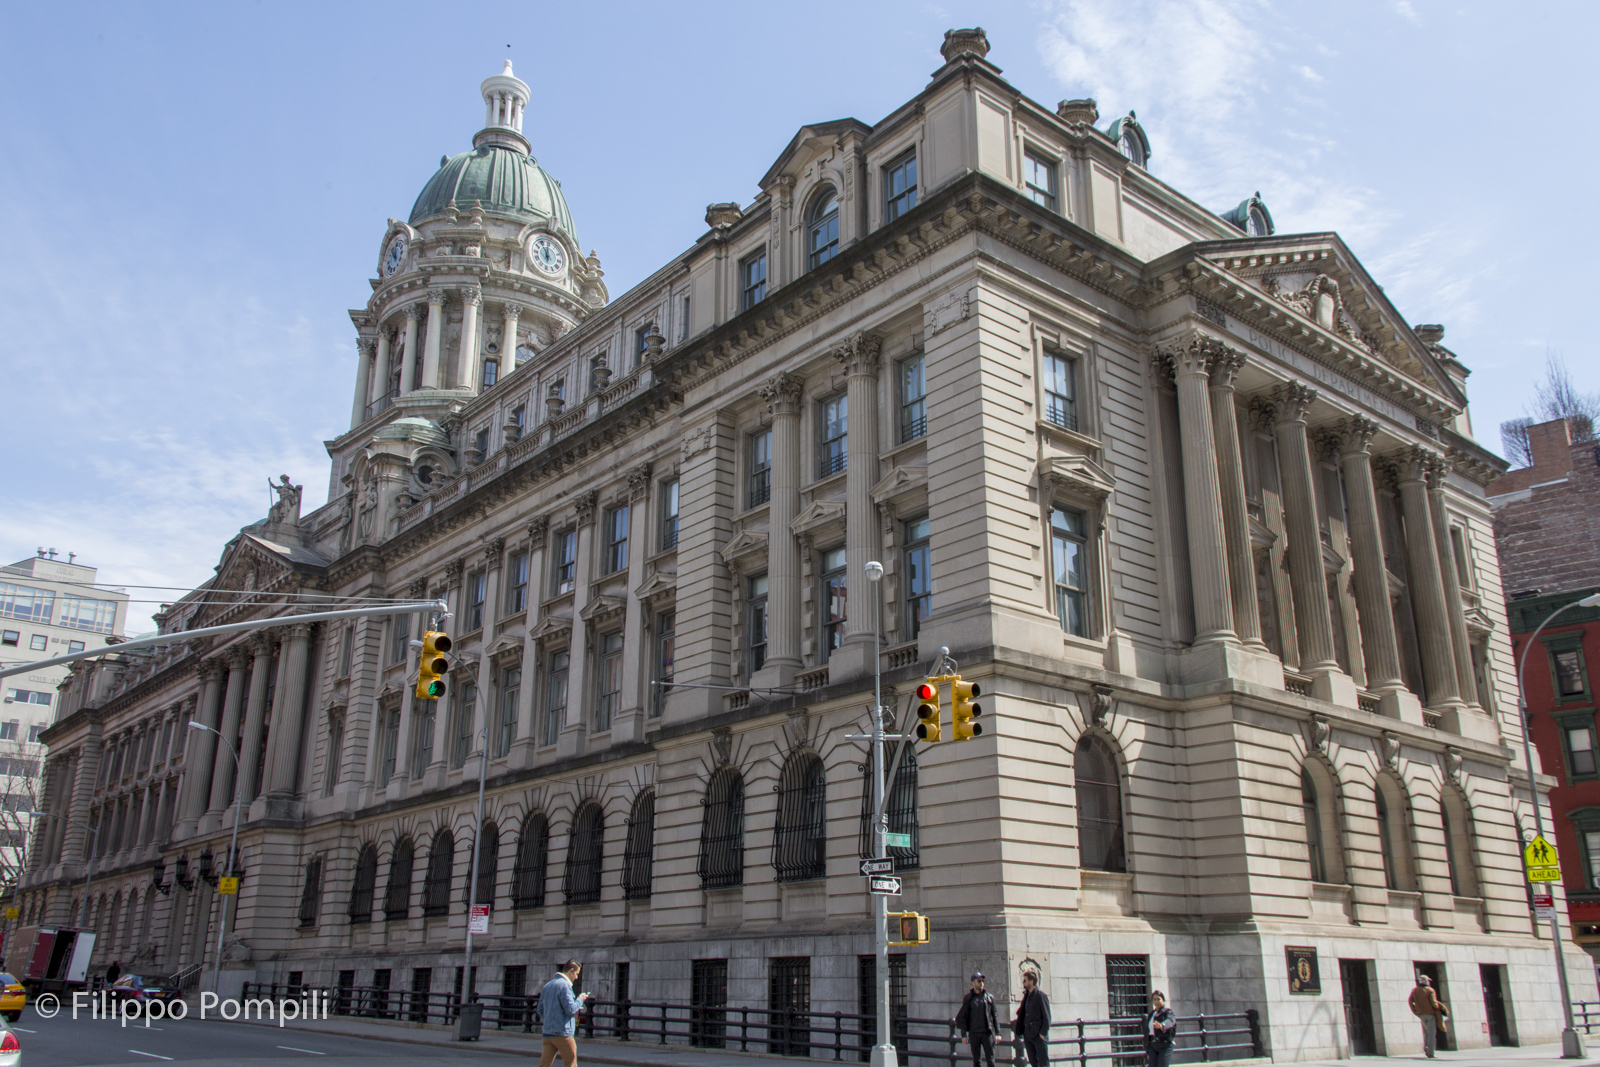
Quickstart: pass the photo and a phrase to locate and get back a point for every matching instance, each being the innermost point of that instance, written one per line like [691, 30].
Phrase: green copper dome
[505, 180]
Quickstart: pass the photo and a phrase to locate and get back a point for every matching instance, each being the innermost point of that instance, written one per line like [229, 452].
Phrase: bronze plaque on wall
[1303, 977]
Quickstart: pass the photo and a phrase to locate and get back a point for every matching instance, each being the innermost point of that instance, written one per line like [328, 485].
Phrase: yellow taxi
[13, 999]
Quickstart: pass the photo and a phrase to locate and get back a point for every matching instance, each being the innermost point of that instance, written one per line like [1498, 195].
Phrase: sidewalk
[643, 1054]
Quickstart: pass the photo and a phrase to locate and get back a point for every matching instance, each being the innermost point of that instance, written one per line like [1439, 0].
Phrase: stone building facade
[1176, 490]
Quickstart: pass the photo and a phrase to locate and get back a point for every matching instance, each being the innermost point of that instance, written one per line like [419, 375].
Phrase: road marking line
[313, 1052]
[24, 1030]
[152, 1055]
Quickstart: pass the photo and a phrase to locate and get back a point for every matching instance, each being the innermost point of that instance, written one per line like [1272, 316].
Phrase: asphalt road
[67, 1042]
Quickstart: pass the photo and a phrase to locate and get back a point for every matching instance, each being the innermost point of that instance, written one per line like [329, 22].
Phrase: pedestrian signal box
[914, 928]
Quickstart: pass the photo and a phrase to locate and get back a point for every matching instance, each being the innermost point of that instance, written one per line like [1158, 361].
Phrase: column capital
[437, 296]
[1354, 434]
[639, 482]
[388, 333]
[1194, 354]
[472, 295]
[209, 669]
[1263, 413]
[1225, 367]
[1414, 464]
[367, 345]
[512, 310]
[859, 354]
[453, 572]
[1291, 401]
[494, 551]
[300, 631]
[782, 393]
[235, 658]
[585, 505]
[417, 589]
[261, 644]
[416, 309]
[537, 529]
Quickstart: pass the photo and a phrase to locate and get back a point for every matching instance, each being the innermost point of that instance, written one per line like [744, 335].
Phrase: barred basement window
[789, 1001]
[638, 856]
[397, 895]
[800, 841]
[488, 865]
[900, 807]
[533, 856]
[436, 886]
[311, 894]
[582, 884]
[722, 831]
[361, 890]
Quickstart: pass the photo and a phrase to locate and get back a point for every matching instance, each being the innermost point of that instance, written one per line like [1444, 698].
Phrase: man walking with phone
[558, 1009]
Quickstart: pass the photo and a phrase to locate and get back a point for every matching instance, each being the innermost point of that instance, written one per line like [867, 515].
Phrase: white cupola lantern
[504, 97]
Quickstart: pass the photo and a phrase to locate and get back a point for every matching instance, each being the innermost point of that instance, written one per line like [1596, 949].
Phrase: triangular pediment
[810, 141]
[817, 514]
[551, 626]
[658, 584]
[503, 644]
[1078, 474]
[744, 543]
[899, 480]
[602, 607]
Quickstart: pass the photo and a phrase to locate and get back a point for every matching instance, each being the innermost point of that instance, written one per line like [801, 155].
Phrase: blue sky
[192, 194]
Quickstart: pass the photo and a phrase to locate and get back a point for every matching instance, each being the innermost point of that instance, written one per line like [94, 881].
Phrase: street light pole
[883, 1053]
[468, 1029]
[1571, 1040]
[233, 844]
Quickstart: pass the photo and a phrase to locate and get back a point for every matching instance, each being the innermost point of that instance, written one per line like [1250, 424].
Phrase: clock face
[547, 255]
[393, 255]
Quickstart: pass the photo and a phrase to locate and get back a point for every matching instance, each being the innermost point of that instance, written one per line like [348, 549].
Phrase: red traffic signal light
[928, 711]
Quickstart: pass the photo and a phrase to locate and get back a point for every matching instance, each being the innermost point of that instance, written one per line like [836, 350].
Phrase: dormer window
[1252, 217]
[1130, 139]
[823, 228]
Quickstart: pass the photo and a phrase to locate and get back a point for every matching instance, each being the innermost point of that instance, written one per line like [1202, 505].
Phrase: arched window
[899, 808]
[1394, 838]
[311, 893]
[108, 915]
[1311, 804]
[1099, 788]
[722, 831]
[488, 865]
[130, 922]
[823, 228]
[361, 890]
[800, 842]
[436, 886]
[1319, 800]
[584, 855]
[638, 856]
[533, 857]
[1457, 819]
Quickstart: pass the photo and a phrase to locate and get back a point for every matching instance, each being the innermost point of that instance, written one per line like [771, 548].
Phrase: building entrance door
[1435, 973]
[1494, 1004]
[1358, 1007]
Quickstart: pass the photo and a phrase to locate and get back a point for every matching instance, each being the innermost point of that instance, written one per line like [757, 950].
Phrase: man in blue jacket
[558, 1009]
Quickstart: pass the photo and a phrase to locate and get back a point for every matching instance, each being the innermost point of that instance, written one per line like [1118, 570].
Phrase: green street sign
[897, 840]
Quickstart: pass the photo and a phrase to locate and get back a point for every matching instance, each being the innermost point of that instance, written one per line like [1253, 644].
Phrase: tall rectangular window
[1068, 564]
[1039, 174]
[424, 714]
[760, 468]
[491, 372]
[669, 514]
[1060, 390]
[835, 601]
[564, 554]
[913, 398]
[683, 321]
[900, 186]
[510, 697]
[756, 625]
[1570, 681]
[477, 591]
[641, 341]
[752, 280]
[555, 696]
[617, 539]
[609, 681]
[835, 435]
[1580, 750]
[666, 649]
[335, 755]
[918, 582]
[466, 710]
[1458, 545]
[390, 739]
[399, 638]
[347, 648]
[517, 583]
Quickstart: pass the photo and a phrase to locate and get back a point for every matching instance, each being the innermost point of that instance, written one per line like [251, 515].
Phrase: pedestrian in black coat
[1159, 1027]
[1033, 1021]
[979, 1021]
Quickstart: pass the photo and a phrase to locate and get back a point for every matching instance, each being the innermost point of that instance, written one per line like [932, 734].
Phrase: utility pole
[469, 1023]
[883, 1053]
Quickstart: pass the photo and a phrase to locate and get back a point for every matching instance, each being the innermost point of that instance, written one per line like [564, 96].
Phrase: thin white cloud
[1310, 75]
[1404, 9]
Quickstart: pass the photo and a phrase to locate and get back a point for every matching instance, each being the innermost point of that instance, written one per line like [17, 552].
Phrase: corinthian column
[1208, 553]
[469, 376]
[430, 351]
[1306, 575]
[1235, 513]
[508, 342]
[365, 348]
[379, 388]
[782, 394]
[1466, 677]
[255, 718]
[414, 312]
[201, 748]
[1381, 650]
[859, 355]
[223, 766]
[1424, 580]
[283, 758]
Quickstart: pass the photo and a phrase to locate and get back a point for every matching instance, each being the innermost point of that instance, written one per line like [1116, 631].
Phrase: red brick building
[1547, 526]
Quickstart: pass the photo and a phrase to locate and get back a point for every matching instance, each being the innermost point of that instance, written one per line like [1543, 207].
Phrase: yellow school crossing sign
[1539, 858]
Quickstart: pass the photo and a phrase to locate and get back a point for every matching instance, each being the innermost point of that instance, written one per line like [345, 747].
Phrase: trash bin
[470, 1025]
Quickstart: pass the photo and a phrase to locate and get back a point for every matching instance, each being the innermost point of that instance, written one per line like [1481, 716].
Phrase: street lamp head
[874, 571]
[1590, 601]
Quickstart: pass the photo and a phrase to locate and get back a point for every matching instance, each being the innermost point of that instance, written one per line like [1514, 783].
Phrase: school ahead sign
[1539, 859]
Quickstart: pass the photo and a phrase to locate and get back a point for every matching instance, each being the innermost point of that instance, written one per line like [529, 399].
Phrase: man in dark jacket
[1159, 1027]
[1033, 1021]
[979, 1021]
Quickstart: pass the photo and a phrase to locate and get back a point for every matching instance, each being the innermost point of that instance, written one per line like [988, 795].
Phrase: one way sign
[883, 885]
[877, 867]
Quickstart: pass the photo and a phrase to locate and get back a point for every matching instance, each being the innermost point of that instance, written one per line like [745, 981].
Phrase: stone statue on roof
[286, 511]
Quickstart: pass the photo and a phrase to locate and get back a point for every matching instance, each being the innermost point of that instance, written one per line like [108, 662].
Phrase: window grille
[513, 986]
[397, 894]
[900, 186]
[834, 454]
[822, 231]
[1060, 390]
[867, 1004]
[361, 890]
[1128, 994]
[436, 885]
[311, 893]
[760, 468]
[800, 841]
[913, 398]
[789, 1000]
[1099, 789]
[488, 865]
[638, 856]
[900, 807]
[722, 831]
[533, 855]
[421, 984]
[708, 996]
[582, 885]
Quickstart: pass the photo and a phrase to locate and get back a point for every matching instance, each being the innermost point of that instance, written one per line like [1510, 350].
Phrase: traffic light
[432, 666]
[964, 710]
[928, 711]
[914, 929]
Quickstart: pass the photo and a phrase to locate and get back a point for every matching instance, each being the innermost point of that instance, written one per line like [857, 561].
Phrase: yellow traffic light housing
[432, 666]
[964, 710]
[914, 929]
[928, 711]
